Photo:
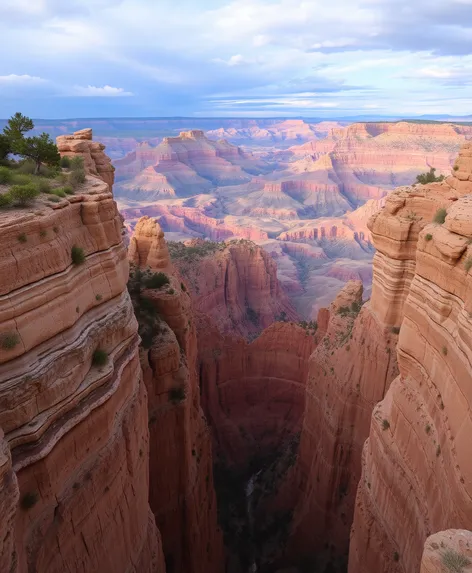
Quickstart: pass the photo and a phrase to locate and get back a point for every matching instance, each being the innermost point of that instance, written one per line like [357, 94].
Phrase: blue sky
[319, 58]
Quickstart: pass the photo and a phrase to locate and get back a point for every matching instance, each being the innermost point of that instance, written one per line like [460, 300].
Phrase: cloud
[105, 91]
[15, 80]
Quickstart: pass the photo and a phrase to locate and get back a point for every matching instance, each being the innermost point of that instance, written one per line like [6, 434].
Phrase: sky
[235, 58]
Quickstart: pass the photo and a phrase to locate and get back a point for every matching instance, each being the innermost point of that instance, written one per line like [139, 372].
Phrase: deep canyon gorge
[196, 407]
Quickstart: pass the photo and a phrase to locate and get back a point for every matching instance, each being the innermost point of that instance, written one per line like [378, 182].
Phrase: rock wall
[74, 441]
[349, 372]
[182, 495]
[417, 477]
[235, 284]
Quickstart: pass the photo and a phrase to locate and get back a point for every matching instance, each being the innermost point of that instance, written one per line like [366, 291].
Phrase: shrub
[468, 264]
[26, 167]
[429, 177]
[385, 424]
[19, 179]
[171, 291]
[68, 190]
[176, 394]
[77, 177]
[43, 185]
[454, 561]
[157, 280]
[65, 162]
[428, 237]
[9, 340]
[99, 357]
[76, 162]
[456, 167]
[29, 500]
[43, 233]
[5, 175]
[427, 429]
[98, 297]
[444, 350]
[5, 199]
[56, 229]
[77, 255]
[183, 287]
[24, 194]
[396, 556]
[22, 237]
[440, 216]
[395, 330]
[356, 307]
[438, 451]
[58, 192]
[54, 199]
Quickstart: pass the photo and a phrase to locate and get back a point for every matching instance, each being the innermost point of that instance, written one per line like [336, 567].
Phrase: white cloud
[14, 79]
[105, 91]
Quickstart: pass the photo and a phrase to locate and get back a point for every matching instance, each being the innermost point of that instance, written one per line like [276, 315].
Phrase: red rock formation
[182, 496]
[355, 348]
[75, 445]
[416, 464]
[96, 162]
[235, 284]
[253, 394]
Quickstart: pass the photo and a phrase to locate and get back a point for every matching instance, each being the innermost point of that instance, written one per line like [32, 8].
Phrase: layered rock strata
[354, 349]
[235, 284]
[182, 495]
[73, 406]
[417, 476]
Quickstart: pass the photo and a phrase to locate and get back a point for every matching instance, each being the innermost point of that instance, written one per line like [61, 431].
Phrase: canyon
[171, 407]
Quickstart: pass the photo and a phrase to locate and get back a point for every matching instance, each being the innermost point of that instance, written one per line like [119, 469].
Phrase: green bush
[395, 329]
[428, 237]
[29, 500]
[429, 177]
[77, 255]
[65, 162]
[22, 238]
[68, 190]
[21, 179]
[9, 340]
[157, 280]
[77, 177]
[54, 199]
[76, 162]
[176, 394]
[59, 192]
[5, 199]
[440, 216]
[43, 185]
[24, 194]
[99, 357]
[26, 167]
[385, 424]
[5, 176]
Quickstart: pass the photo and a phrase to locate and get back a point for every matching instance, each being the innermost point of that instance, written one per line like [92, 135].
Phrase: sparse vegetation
[454, 561]
[99, 357]
[385, 424]
[468, 264]
[444, 350]
[24, 194]
[351, 311]
[98, 297]
[440, 216]
[456, 167]
[171, 291]
[77, 177]
[77, 255]
[395, 330]
[438, 451]
[176, 394]
[183, 287]
[29, 500]
[428, 237]
[157, 280]
[429, 177]
[22, 238]
[5, 200]
[9, 340]
[191, 252]
[252, 315]
[5, 176]
[427, 429]
[65, 162]
[396, 556]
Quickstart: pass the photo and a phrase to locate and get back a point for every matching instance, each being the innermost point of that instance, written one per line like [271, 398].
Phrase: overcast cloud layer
[92, 58]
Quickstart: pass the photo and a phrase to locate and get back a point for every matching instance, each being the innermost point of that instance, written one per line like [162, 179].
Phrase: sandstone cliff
[417, 476]
[73, 409]
[182, 495]
[235, 284]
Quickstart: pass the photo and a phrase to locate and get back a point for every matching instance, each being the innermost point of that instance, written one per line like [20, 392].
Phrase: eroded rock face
[182, 495]
[417, 475]
[449, 550]
[74, 421]
[96, 162]
[235, 284]
[348, 373]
